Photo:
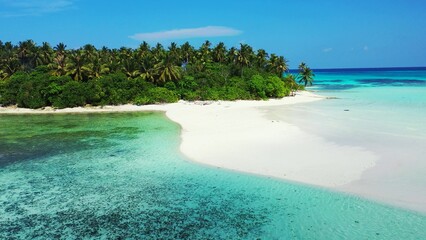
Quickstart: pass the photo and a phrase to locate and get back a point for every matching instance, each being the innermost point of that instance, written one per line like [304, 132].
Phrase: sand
[241, 136]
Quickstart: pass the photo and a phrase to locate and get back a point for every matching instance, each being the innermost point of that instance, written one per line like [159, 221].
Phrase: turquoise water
[382, 111]
[114, 176]
[390, 102]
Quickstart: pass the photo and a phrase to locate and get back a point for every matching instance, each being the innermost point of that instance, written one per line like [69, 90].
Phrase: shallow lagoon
[121, 175]
[382, 111]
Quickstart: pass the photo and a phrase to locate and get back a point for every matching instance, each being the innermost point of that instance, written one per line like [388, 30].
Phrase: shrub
[170, 85]
[73, 95]
[275, 87]
[114, 89]
[141, 100]
[11, 88]
[257, 86]
[161, 95]
[29, 89]
[239, 83]
[95, 94]
[213, 94]
[2, 91]
[156, 95]
[248, 73]
[53, 88]
[30, 96]
[233, 93]
[191, 95]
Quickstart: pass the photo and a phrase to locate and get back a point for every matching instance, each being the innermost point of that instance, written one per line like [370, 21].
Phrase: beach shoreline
[244, 136]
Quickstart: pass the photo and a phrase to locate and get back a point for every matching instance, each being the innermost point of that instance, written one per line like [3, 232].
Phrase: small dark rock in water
[356, 221]
[346, 110]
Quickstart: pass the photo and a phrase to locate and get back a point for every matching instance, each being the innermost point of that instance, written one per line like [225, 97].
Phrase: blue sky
[324, 34]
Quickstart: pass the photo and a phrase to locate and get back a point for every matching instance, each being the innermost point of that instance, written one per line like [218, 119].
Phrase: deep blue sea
[121, 176]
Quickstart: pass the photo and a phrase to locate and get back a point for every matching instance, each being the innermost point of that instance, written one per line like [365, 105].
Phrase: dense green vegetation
[36, 76]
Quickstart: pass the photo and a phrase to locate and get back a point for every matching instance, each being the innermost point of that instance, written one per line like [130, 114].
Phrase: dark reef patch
[392, 82]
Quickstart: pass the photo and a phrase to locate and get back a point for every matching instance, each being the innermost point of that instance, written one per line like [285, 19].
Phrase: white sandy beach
[239, 136]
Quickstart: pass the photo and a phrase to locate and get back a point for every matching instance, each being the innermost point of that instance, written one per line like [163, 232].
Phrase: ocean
[121, 175]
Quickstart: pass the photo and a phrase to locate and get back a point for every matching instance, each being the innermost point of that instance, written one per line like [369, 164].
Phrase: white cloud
[17, 8]
[209, 31]
[326, 50]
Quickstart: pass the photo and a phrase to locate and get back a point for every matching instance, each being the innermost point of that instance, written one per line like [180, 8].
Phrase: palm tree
[143, 49]
[96, 67]
[128, 62]
[113, 61]
[77, 67]
[219, 53]
[130, 68]
[244, 56]
[149, 75]
[305, 74]
[261, 57]
[272, 61]
[206, 46]
[232, 55]
[204, 53]
[281, 66]
[105, 51]
[144, 60]
[44, 55]
[158, 52]
[290, 81]
[174, 53]
[89, 51]
[167, 70]
[9, 61]
[26, 54]
[59, 61]
[3, 75]
[60, 49]
[146, 66]
[142, 55]
[187, 51]
[106, 57]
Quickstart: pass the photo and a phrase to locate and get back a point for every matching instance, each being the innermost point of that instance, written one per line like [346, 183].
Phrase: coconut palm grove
[35, 76]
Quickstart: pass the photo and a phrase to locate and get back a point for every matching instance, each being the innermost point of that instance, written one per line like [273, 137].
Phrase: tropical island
[35, 76]
[164, 135]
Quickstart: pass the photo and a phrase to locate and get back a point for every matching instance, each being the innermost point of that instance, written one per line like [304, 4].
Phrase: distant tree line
[36, 76]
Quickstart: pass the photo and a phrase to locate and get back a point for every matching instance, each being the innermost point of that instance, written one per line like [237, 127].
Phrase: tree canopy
[34, 75]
